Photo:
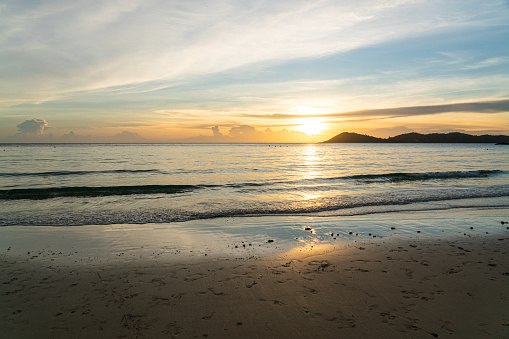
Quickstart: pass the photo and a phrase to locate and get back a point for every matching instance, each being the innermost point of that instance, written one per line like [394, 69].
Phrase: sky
[250, 71]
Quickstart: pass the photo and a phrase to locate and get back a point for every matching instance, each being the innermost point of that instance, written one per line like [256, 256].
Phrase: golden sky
[251, 71]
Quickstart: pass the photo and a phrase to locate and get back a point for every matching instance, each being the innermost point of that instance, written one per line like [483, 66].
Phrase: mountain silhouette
[455, 137]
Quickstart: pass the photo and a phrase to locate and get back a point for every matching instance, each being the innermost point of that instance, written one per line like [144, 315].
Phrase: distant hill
[347, 137]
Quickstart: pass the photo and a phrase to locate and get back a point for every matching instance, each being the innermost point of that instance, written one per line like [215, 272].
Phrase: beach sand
[454, 287]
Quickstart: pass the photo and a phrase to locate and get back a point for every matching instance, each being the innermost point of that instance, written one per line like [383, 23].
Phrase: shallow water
[240, 237]
[104, 184]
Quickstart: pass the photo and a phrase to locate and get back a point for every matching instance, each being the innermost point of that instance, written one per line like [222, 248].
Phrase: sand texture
[456, 288]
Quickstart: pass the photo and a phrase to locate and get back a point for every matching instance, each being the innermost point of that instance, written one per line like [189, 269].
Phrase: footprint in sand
[208, 317]
[194, 277]
[178, 295]
[251, 285]
[59, 329]
[275, 302]
[161, 300]
[342, 321]
[453, 270]
[446, 327]
[410, 294]
[211, 290]
[388, 317]
[408, 308]
[158, 281]
[320, 264]
[172, 329]
[311, 290]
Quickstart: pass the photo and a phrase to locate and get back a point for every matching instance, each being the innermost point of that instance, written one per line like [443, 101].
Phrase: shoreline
[242, 237]
[386, 287]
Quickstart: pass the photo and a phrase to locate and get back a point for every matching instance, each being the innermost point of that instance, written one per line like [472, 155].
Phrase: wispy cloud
[489, 62]
[53, 48]
[167, 67]
[471, 107]
[488, 107]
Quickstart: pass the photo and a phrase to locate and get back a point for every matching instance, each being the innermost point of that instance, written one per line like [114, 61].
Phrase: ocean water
[105, 184]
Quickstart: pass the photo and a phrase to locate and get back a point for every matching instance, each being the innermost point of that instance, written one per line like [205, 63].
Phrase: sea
[331, 190]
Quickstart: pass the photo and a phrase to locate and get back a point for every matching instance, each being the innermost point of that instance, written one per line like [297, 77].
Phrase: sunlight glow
[311, 126]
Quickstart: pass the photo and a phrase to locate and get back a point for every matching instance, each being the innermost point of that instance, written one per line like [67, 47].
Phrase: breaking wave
[56, 192]
[92, 191]
[233, 208]
[70, 173]
[395, 177]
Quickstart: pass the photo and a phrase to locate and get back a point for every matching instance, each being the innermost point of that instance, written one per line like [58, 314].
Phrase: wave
[383, 177]
[396, 177]
[67, 173]
[87, 191]
[403, 200]
[55, 192]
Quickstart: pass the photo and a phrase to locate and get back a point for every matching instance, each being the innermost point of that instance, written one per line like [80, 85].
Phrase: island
[455, 137]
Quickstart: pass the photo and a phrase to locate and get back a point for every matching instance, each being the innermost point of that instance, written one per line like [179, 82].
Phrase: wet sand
[383, 288]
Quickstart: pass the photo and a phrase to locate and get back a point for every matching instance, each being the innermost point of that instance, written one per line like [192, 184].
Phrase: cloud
[245, 132]
[32, 127]
[54, 48]
[173, 63]
[486, 107]
[122, 137]
[126, 136]
[215, 131]
[249, 134]
[33, 131]
[490, 62]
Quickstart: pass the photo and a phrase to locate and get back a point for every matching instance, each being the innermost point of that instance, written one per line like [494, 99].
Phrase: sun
[311, 126]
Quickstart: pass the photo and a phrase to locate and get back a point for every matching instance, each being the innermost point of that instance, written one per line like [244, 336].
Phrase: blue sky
[291, 71]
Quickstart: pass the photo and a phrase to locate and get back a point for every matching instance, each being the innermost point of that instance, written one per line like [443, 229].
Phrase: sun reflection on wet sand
[311, 196]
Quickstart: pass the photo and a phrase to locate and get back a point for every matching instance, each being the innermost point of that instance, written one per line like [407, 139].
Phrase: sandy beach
[254, 169]
[455, 287]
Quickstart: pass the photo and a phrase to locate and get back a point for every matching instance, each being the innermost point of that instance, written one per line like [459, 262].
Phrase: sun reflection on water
[310, 170]
[311, 161]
